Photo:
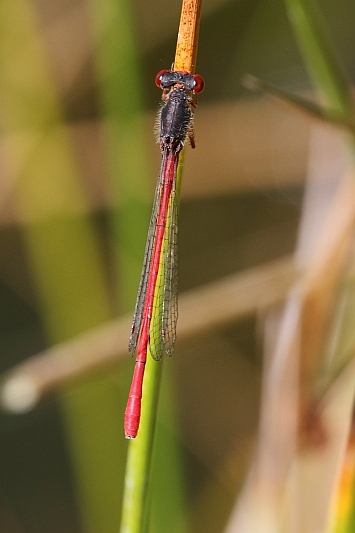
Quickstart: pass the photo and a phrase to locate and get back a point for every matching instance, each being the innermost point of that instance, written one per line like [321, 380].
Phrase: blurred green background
[78, 168]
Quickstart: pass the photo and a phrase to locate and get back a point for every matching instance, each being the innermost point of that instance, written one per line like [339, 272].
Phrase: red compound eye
[159, 76]
[199, 83]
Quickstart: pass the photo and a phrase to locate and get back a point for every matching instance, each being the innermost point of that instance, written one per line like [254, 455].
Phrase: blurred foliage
[78, 166]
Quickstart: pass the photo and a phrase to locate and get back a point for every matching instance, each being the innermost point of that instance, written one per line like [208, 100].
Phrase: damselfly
[155, 314]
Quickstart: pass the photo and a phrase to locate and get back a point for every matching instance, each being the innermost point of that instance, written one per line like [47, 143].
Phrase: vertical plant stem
[319, 57]
[135, 502]
[139, 454]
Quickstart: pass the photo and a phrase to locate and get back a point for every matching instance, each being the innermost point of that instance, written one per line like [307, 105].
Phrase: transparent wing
[163, 324]
[170, 299]
[149, 248]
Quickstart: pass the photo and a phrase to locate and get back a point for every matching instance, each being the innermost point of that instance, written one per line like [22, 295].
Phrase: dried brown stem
[201, 309]
[186, 46]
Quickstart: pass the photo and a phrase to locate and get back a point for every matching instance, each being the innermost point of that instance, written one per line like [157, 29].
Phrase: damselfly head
[191, 82]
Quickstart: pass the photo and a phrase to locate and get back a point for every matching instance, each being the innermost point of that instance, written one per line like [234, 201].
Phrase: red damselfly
[155, 314]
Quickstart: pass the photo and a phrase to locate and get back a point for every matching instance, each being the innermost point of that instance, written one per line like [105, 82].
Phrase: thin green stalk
[135, 507]
[319, 57]
[135, 500]
[134, 513]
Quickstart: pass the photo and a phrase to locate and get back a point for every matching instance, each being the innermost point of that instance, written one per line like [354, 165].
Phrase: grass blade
[319, 57]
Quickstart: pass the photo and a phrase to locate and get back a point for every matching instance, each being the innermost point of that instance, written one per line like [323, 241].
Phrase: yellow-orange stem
[186, 46]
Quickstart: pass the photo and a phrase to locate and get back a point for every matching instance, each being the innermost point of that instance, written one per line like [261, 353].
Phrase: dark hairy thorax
[175, 119]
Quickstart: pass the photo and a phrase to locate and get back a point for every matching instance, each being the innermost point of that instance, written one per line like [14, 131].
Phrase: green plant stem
[139, 454]
[319, 57]
[140, 450]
